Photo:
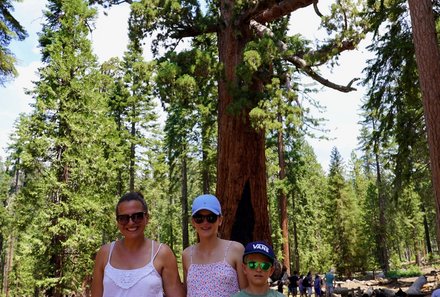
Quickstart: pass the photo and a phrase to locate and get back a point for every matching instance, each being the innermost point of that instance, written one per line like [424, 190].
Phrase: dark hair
[137, 196]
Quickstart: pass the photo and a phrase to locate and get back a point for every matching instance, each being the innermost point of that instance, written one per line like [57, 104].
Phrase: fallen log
[384, 292]
[368, 292]
[414, 289]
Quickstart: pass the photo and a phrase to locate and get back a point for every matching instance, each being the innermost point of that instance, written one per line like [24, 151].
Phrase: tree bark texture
[428, 64]
[282, 199]
[185, 219]
[241, 168]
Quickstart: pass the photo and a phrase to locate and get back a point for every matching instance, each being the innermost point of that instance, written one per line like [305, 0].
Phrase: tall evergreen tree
[427, 49]
[394, 109]
[62, 148]
[342, 214]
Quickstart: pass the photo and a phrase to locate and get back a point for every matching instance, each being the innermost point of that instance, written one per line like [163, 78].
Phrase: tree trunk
[381, 236]
[426, 229]
[295, 250]
[8, 264]
[132, 156]
[282, 199]
[205, 162]
[185, 232]
[428, 64]
[241, 168]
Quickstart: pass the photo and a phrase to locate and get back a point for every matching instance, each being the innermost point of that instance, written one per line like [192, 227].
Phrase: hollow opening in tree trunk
[244, 220]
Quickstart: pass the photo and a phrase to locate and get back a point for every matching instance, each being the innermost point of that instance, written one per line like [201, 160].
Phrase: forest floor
[363, 283]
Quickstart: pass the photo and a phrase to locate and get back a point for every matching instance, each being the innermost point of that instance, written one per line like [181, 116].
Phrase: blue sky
[109, 40]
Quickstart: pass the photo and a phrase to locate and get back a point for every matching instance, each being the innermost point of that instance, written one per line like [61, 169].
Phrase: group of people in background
[136, 266]
[302, 285]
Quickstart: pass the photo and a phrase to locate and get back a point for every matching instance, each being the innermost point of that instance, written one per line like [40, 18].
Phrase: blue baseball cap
[207, 202]
[259, 247]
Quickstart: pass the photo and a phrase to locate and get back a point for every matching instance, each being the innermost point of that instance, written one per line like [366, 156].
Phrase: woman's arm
[172, 284]
[237, 250]
[98, 271]
[185, 264]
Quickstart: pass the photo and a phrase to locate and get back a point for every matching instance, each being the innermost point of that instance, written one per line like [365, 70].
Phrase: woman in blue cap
[212, 267]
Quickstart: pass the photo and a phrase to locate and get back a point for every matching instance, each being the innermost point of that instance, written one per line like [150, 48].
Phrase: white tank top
[139, 282]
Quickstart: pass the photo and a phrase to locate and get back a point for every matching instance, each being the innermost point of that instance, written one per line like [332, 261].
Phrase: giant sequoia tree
[428, 63]
[244, 72]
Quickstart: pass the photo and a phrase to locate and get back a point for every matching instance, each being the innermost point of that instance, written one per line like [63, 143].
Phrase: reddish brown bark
[241, 168]
[428, 63]
[282, 199]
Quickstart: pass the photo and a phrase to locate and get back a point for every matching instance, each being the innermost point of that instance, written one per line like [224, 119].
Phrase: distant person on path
[307, 284]
[293, 284]
[213, 266]
[135, 266]
[317, 284]
[258, 259]
[302, 290]
[283, 280]
[329, 283]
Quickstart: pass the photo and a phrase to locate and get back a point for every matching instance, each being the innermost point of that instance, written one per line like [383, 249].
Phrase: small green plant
[405, 272]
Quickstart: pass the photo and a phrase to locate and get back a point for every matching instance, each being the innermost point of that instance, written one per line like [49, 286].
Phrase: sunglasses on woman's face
[136, 218]
[211, 218]
[265, 266]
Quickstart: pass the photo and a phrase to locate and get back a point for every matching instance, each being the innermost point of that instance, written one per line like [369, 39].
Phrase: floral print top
[218, 279]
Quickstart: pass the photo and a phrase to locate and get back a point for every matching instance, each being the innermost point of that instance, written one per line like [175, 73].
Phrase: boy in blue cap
[258, 259]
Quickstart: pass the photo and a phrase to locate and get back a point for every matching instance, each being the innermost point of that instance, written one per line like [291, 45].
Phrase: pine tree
[63, 162]
[342, 214]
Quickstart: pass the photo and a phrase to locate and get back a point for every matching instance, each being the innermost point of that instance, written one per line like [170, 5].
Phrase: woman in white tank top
[135, 266]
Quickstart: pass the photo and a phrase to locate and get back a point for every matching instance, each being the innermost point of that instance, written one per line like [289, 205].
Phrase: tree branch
[193, 31]
[262, 30]
[315, 7]
[281, 9]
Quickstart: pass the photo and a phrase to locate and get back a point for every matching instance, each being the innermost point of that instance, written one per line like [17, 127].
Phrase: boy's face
[257, 268]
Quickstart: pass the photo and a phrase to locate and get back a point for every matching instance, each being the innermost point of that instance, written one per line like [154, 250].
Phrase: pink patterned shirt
[217, 279]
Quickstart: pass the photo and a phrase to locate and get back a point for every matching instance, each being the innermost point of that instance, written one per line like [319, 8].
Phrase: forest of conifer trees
[95, 132]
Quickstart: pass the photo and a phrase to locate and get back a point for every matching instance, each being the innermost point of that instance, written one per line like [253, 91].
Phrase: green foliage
[93, 133]
[10, 29]
[411, 271]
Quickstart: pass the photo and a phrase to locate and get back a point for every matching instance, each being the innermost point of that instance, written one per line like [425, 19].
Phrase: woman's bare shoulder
[237, 246]
[103, 253]
[164, 250]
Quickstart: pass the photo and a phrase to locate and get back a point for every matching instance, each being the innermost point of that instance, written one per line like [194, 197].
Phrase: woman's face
[206, 222]
[131, 219]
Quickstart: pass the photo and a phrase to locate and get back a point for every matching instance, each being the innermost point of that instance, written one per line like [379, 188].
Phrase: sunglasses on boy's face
[265, 266]
[211, 218]
[136, 218]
